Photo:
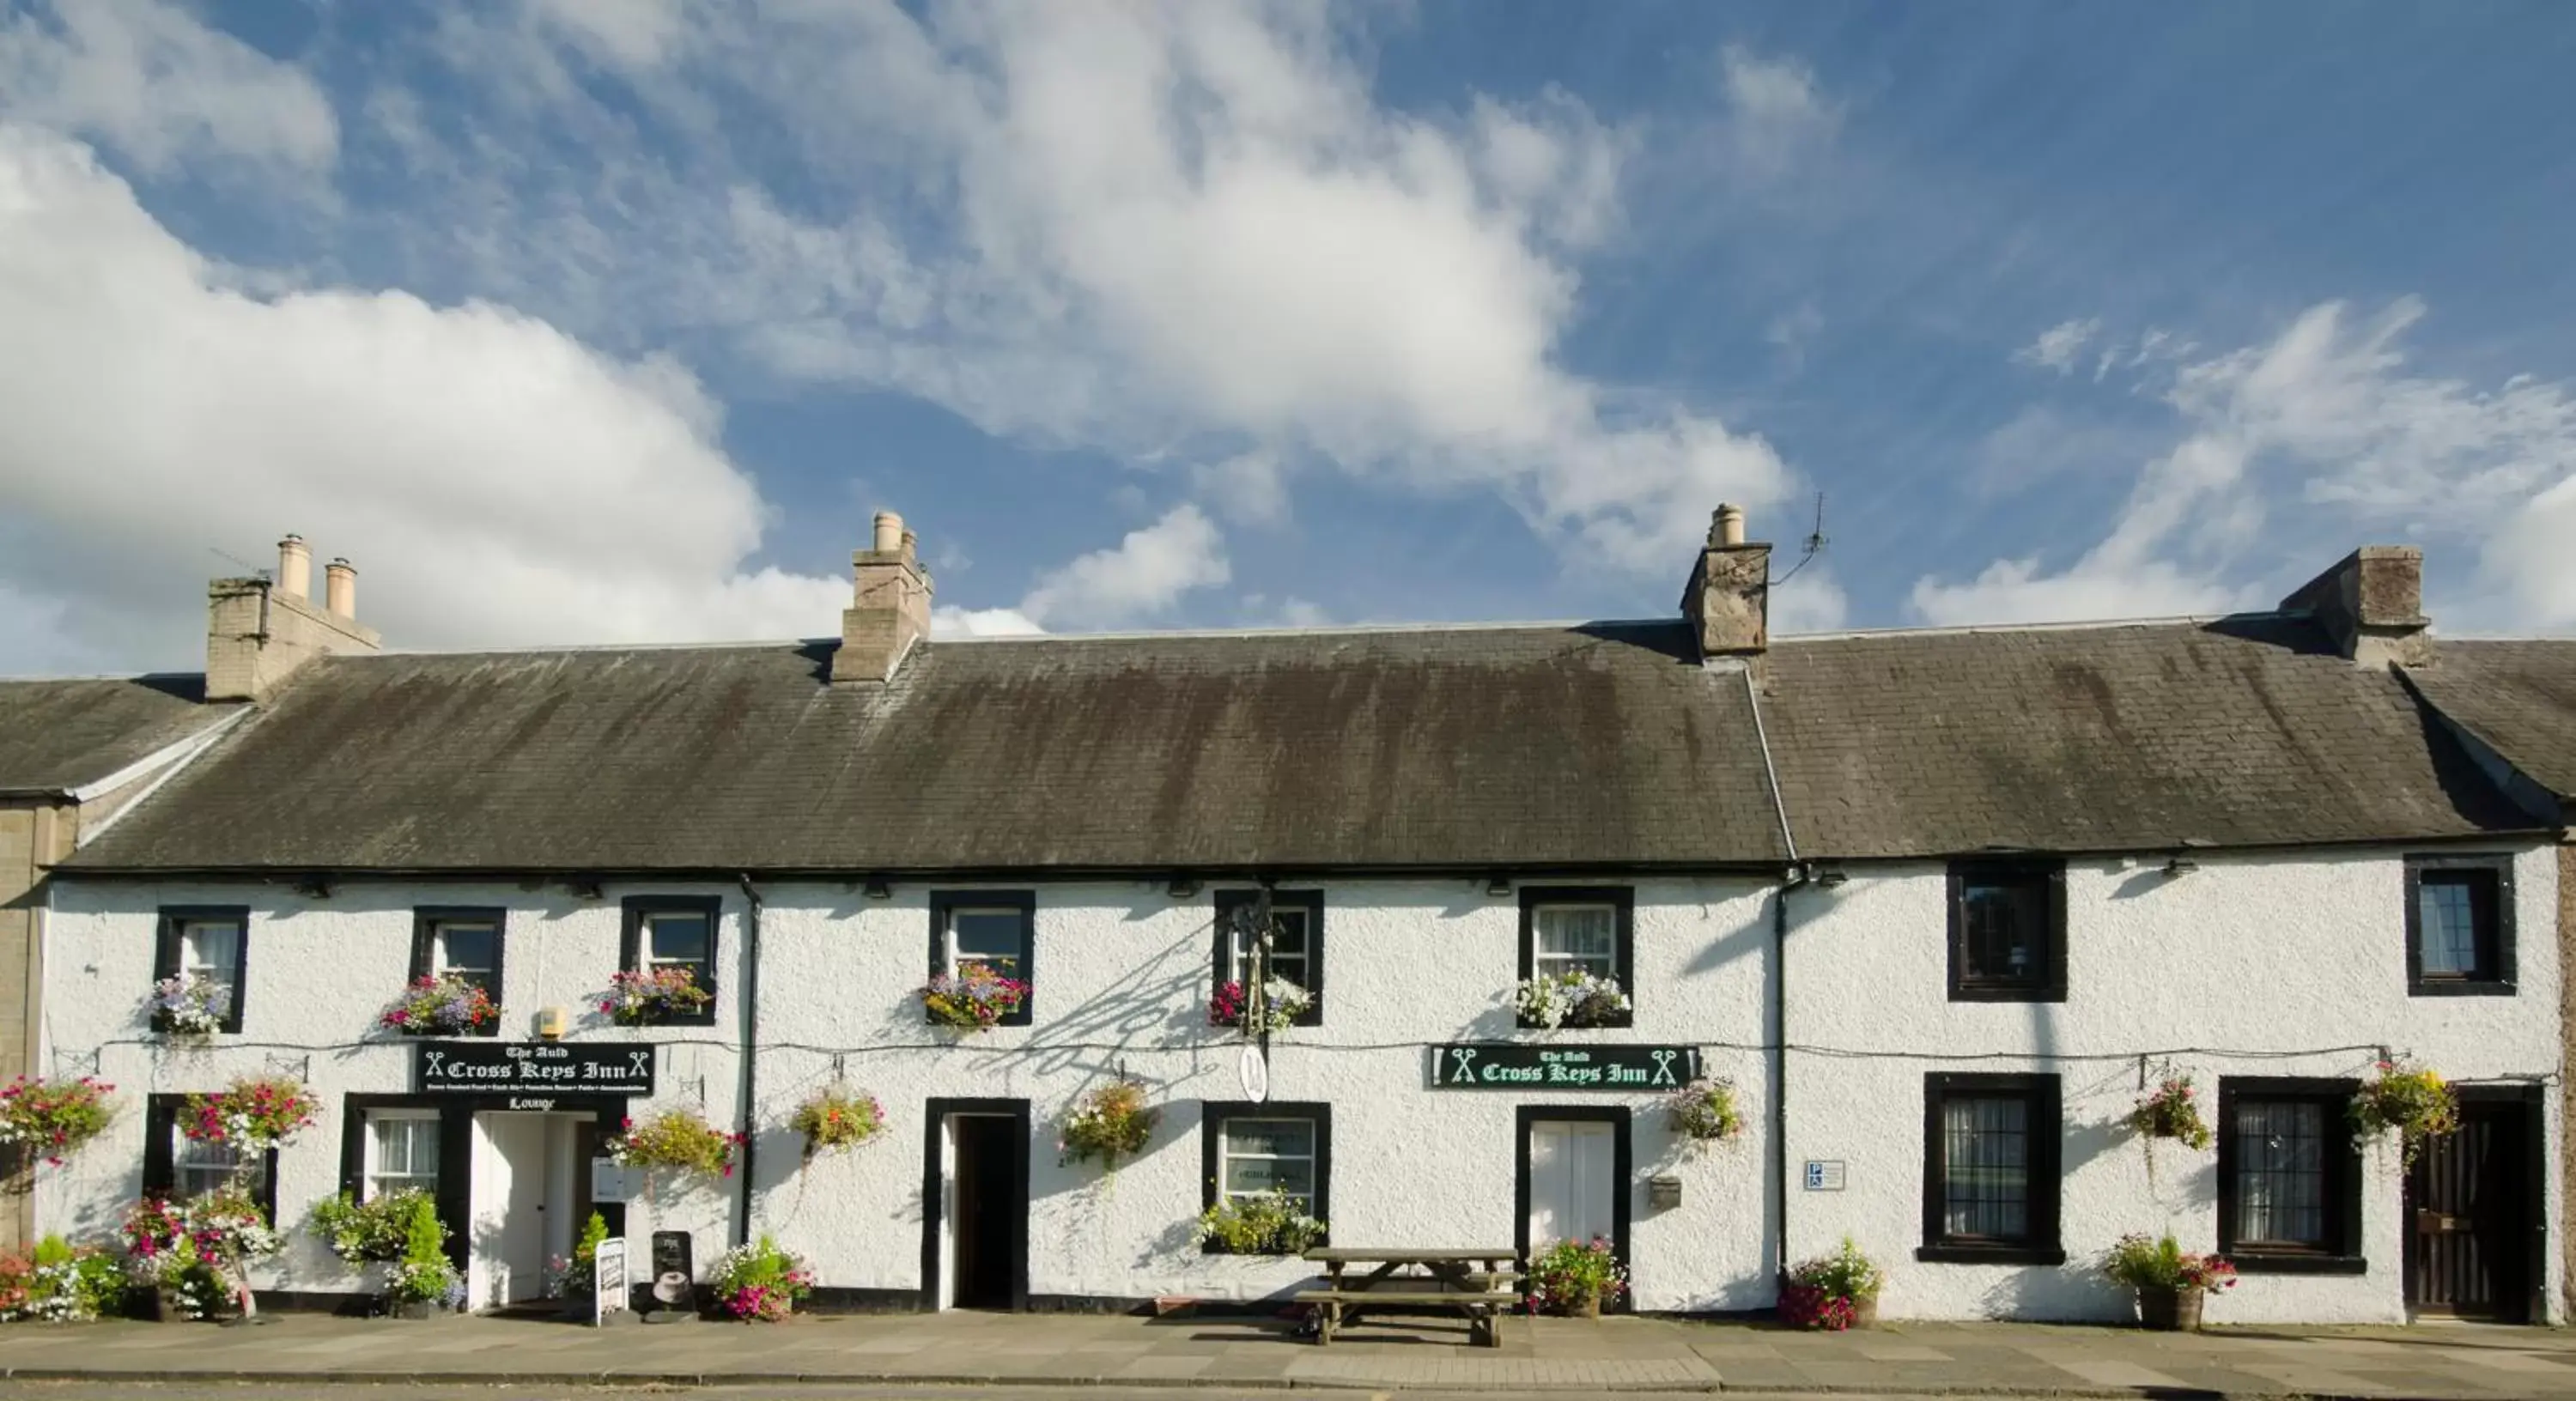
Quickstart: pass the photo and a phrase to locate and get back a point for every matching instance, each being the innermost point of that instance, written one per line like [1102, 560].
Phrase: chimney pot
[294, 567]
[889, 607]
[890, 532]
[340, 585]
[1727, 526]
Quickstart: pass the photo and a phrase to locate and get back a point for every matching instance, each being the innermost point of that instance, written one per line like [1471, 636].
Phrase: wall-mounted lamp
[314, 887]
[2181, 866]
[1183, 886]
[585, 888]
[1498, 884]
[877, 890]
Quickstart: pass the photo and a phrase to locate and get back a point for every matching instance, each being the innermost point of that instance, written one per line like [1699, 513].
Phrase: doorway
[1573, 1178]
[975, 1188]
[528, 1180]
[2473, 1210]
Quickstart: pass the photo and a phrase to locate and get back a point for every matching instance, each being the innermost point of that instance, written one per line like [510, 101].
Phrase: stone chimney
[258, 632]
[1728, 600]
[2371, 603]
[890, 610]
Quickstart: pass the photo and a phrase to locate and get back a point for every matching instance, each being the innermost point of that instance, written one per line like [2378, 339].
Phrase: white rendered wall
[2250, 953]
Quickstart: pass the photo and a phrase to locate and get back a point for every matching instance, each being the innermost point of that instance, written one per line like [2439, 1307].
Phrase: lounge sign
[523, 1067]
[1505, 1065]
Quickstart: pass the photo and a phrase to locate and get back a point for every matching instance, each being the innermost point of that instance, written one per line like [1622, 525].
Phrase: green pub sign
[1506, 1065]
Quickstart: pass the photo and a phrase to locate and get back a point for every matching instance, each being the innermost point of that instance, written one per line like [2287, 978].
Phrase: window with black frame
[1990, 1168]
[2459, 925]
[2007, 931]
[2289, 1179]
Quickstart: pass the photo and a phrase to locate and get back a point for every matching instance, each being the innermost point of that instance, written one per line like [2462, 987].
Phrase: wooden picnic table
[1477, 1283]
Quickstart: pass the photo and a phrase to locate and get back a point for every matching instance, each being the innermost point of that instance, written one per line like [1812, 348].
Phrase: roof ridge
[2071, 625]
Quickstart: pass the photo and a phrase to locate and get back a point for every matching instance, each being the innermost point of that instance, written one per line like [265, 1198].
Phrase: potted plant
[836, 1119]
[255, 1113]
[1282, 1003]
[2410, 1099]
[187, 1008]
[423, 1280]
[1704, 1112]
[1272, 1223]
[574, 1278]
[442, 1006]
[54, 1117]
[1572, 998]
[654, 995]
[678, 1140]
[2172, 1111]
[58, 1282]
[2170, 1281]
[1106, 1124]
[974, 998]
[760, 1283]
[1575, 1278]
[1835, 1292]
[196, 1255]
[370, 1232]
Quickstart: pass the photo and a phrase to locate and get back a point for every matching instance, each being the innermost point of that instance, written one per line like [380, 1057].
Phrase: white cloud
[2058, 346]
[1809, 601]
[2015, 591]
[1779, 111]
[1249, 488]
[627, 33]
[151, 80]
[1793, 330]
[1143, 575]
[982, 622]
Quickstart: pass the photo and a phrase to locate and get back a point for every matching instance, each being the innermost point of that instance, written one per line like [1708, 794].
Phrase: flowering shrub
[189, 1008]
[1827, 1292]
[760, 1283]
[1572, 1276]
[424, 1275]
[60, 1283]
[1807, 1306]
[2172, 1112]
[678, 1139]
[577, 1276]
[1705, 1112]
[1272, 1223]
[257, 1112]
[641, 999]
[2141, 1262]
[194, 1252]
[1572, 998]
[2410, 1099]
[442, 1006]
[1283, 1002]
[1106, 1124]
[366, 1233]
[973, 998]
[54, 1117]
[834, 1119]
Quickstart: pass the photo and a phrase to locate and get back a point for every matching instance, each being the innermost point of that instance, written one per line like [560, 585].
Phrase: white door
[510, 1232]
[1573, 1189]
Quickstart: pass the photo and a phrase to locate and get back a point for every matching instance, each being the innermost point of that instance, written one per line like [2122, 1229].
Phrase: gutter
[1793, 878]
[750, 1053]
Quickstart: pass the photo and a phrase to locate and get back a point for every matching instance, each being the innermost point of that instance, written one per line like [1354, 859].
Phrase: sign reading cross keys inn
[1613, 1068]
[531, 1067]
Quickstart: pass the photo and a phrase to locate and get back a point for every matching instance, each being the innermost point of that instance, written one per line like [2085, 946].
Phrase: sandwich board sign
[608, 1280]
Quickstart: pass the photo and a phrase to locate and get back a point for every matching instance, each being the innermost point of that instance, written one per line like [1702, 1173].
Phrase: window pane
[2004, 925]
[2448, 908]
[1272, 1138]
[1251, 1176]
[466, 948]
[1985, 1168]
[213, 948]
[677, 938]
[985, 936]
[404, 1152]
[200, 1167]
[1576, 937]
[2281, 1172]
[1287, 945]
[1265, 1155]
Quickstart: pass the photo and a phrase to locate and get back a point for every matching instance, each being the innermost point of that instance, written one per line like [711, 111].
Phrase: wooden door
[2468, 1231]
[1573, 1182]
[990, 1211]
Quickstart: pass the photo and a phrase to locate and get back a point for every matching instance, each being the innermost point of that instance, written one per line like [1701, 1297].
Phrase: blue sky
[590, 322]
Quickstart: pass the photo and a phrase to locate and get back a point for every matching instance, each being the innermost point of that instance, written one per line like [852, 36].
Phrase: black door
[2468, 1216]
[990, 1210]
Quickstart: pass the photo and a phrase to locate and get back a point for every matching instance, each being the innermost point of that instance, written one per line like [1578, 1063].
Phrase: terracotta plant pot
[1587, 1307]
[2169, 1310]
[1865, 1312]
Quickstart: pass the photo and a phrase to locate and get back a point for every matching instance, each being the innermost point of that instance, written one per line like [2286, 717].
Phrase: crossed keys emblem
[1462, 1064]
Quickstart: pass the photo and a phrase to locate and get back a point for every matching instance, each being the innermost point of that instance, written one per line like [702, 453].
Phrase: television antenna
[245, 566]
[1810, 547]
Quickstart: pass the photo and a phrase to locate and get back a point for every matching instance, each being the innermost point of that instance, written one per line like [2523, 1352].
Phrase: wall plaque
[520, 1068]
[1508, 1065]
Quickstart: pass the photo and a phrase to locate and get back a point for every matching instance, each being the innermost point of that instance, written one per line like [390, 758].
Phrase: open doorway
[530, 1192]
[975, 1197]
[2475, 1215]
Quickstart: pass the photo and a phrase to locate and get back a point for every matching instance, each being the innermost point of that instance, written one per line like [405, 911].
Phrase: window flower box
[1570, 999]
[1282, 1003]
[657, 995]
[187, 1009]
[974, 998]
[441, 1006]
[1269, 1224]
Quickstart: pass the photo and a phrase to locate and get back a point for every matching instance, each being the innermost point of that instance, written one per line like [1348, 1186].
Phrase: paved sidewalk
[1617, 1354]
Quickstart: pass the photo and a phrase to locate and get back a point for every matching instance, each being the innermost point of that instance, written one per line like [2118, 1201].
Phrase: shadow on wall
[2070, 1293]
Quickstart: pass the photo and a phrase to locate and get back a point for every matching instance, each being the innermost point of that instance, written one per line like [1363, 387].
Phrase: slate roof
[1458, 747]
[2518, 697]
[56, 736]
[2245, 731]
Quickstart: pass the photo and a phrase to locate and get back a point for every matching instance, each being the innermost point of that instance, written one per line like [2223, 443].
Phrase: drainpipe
[750, 1052]
[1792, 878]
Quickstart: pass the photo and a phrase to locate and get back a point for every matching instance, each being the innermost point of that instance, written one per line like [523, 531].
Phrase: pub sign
[532, 1067]
[1611, 1068]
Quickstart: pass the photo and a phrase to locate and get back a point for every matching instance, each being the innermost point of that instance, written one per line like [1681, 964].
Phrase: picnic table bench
[1479, 1284]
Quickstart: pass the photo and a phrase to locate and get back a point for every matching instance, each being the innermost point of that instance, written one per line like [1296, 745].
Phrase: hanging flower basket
[1105, 1125]
[187, 1009]
[2410, 1099]
[2172, 1111]
[55, 1117]
[1283, 1003]
[442, 1006]
[1705, 1112]
[656, 995]
[256, 1113]
[1272, 1223]
[1570, 999]
[837, 1119]
[973, 999]
[679, 1140]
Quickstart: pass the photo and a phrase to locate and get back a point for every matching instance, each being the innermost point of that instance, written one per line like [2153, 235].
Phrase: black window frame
[1311, 902]
[161, 1113]
[425, 921]
[2048, 983]
[630, 952]
[1623, 901]
[165, 951]
[2341, 1191]
[2047, 1167]
[1213, 1117]
[944, 903]
[2500, 938]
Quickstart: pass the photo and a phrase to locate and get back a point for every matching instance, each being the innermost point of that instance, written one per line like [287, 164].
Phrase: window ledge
[2255, 1262]
[2460, 987]
[1990, 1255]
[2007, 994]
